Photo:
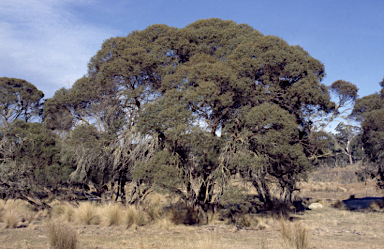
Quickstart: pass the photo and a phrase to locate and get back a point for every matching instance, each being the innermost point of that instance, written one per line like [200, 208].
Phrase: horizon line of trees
[183, 111]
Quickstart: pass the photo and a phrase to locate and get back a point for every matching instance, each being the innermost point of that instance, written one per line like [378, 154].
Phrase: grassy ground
[327, 228]
[323, 228]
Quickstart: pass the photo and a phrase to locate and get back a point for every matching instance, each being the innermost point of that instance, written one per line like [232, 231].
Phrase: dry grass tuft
[154, 210]
[16, 213]
[2, 205]
[11, 218]
[61, 236]
[165, 224]
[88, 214]
[63, 211]
[294, 235]
[112, 214]
[134, 216]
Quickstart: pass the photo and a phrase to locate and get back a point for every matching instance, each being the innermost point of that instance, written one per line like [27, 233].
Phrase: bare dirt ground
[326, 228]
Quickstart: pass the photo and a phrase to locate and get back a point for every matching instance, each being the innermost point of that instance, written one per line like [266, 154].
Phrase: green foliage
[19, 100]
[35, 161]
[370, 110]
[365, 105]
[373, 140]
[185, 109]
[211, 91]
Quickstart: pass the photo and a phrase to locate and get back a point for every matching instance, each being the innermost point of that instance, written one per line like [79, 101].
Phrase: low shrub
[182, 215]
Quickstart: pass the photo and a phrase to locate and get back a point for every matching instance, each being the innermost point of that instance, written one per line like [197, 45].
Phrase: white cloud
[42, 42]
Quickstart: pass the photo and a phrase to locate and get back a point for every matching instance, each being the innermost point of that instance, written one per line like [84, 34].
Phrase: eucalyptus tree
[369, 110]
[20, 100]
[346, 141]
[184, 109]
[220, 85]
[345, 94]
[34, 167]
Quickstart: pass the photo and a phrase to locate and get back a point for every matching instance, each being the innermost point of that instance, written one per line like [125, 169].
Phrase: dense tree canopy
[182, 111]
[19, 100]
[370, 111]
[200, 97]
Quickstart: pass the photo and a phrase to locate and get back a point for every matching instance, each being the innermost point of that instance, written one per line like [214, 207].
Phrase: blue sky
[49, 42]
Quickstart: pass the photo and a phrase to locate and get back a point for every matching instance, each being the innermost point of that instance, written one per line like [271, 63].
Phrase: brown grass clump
[88, 214]
[165, 223]
[294, 235]
[112, 214]
[2, 205]
[16, 213]
[11, 218]
[154, 210]
[63, 211]
[61, 236]
[134, 216]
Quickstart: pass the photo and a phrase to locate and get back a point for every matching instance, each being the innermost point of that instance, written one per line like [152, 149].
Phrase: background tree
[346, 95]
[35, 167]
[369, 110]
[19, 100]
[346, 139]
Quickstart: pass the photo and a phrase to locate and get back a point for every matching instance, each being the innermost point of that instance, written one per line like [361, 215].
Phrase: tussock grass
[88, 214]
[63, 211]
[11, 218]
[112, 214]
[61, 236]
[15, 213]
[165, 223]
[134, 216]
[155, 210]
[2, 205]
[294, 235]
